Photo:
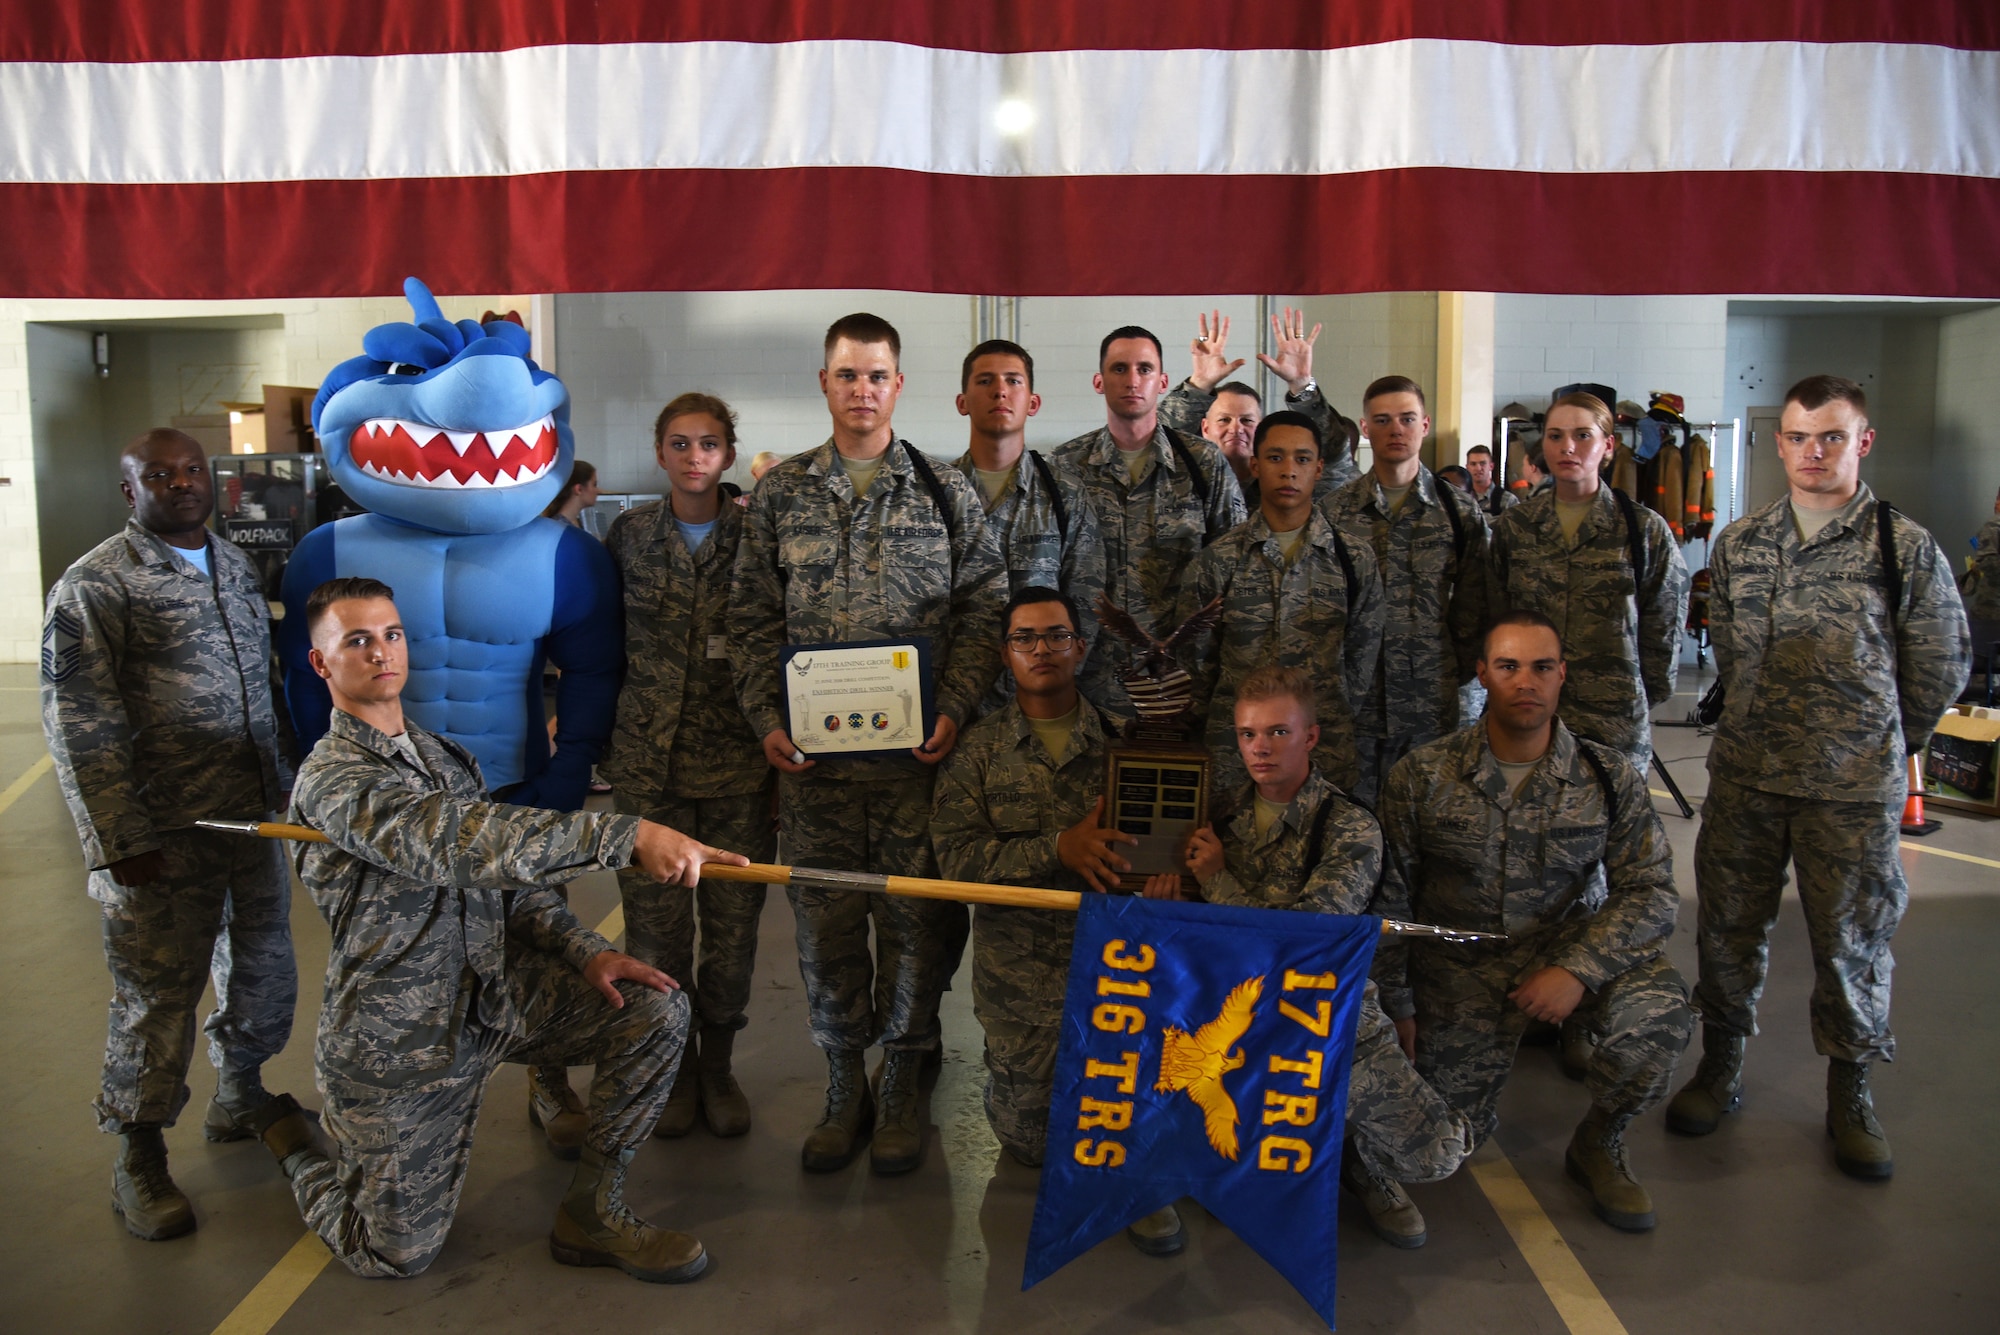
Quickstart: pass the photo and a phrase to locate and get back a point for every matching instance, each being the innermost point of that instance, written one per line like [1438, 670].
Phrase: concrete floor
[1758, 1232]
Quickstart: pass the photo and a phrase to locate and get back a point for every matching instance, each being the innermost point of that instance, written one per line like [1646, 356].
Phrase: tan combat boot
[1859, 1146]
[899, 1127]
[1596, 1159]
[1392, 1215]
[283, 1127]
[684, 1103]
[723, 1105]
[238, 1095]
[1160, 1233]
[593, 1227]
[556, 1111]
[143, 1193]
[850, 1112]
[1717, 1087]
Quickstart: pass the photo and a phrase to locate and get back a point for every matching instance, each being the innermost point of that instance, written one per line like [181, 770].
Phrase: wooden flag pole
[914, 887]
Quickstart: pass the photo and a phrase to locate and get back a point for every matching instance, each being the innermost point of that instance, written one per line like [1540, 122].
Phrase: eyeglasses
[1024, 641]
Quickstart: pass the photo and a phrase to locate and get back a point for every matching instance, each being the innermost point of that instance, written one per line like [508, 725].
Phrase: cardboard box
[231, 432]
[1962, 764]
[288, 419]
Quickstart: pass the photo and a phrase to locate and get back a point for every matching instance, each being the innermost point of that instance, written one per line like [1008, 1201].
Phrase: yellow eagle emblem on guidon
[1195, 1063]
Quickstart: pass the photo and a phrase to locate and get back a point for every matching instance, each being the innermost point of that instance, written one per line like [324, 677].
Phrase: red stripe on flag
[1411, 229]
[144, 30]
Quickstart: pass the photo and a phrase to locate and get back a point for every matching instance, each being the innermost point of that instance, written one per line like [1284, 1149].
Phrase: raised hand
[1294, 362]
[1211, 366]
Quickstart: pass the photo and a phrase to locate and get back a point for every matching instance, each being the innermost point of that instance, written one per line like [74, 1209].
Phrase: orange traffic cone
[1913, 806]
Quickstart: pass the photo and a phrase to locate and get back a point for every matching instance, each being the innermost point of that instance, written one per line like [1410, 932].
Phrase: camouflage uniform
[1002, 800]
[1622, 642]
[452, 952]
[1304, 614]
[1150, 530]
[682, 754]
[1435, 597]
[1184, 407]
[1497, 501]
[158, 705]
[1571, 883]
[1038, 550]
[1981, 588]
[1401, 1126]
[817, 566]
[1826, 691]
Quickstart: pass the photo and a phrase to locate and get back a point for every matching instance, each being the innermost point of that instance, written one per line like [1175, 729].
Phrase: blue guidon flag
[1204, 1053]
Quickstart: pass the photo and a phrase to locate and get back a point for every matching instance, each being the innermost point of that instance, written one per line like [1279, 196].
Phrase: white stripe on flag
[1752, 106]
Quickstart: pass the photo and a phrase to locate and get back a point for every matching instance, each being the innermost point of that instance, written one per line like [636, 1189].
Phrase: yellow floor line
[12, 793]
[1577, 1301]
[274, 1295]
[289, 1278]
[1908, 847]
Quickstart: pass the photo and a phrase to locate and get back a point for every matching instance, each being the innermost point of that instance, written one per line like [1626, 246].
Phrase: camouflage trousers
[1020, 975]
[856, 996]
[221, 910]
[1401, 1127]
[385, 1201]
[1377, 756]
[1851, 887]
[1467, 1029]
[660, 919]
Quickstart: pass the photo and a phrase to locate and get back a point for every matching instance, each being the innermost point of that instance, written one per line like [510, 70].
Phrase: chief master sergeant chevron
[866, 539]
[1836, 659]
[159, 708]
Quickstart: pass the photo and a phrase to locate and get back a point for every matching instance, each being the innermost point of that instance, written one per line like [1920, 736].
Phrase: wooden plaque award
[1156, 777]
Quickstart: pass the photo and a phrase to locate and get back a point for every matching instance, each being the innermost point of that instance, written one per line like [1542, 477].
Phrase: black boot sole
[1862, 1170]
[1171, 1245]
[1400, 1241]
[833, 1163]
[684, 1274]
[883, 1166]
[1618, 1219]
[1688, 1126]
[156, 1235]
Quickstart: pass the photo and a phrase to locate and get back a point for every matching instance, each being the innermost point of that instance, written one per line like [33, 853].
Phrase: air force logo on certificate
[858, 697]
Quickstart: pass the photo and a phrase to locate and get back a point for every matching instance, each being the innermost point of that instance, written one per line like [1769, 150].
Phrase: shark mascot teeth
[455, 442]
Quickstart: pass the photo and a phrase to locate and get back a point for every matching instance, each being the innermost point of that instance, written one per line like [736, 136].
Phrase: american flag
[212, 148]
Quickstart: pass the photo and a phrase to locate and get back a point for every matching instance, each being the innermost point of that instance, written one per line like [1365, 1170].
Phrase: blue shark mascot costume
[455, 442]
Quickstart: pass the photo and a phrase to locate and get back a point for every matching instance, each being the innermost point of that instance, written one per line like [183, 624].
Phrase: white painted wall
[1636, 345]
[1893, 358]
[317, 334]
[624, 355]
[1966, 458]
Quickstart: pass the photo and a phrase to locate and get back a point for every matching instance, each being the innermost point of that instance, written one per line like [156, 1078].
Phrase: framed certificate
[858, 697]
